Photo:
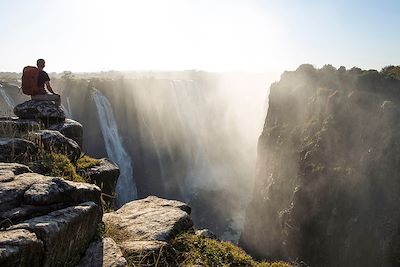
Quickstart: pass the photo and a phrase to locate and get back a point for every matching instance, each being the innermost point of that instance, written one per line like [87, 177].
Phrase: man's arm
[48, 86]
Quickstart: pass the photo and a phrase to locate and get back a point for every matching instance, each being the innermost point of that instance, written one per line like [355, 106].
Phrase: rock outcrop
[49, 221]
[328, 178]
[45, 111]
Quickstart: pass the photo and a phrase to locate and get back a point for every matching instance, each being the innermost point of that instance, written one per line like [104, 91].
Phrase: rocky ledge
[45, 221]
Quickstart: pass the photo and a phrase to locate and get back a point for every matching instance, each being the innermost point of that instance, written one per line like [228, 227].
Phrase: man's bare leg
[48, 97]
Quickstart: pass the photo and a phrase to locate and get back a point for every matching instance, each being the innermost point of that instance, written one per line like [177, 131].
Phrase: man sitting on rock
[43, 79]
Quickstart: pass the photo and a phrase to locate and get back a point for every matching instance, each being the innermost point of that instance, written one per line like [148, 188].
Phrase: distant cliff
[328, 170]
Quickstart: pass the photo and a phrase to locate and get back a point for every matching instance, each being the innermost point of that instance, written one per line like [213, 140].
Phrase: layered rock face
[328, 177]
[44, 221]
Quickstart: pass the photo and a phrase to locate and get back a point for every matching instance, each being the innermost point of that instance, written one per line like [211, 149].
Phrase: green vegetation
[54, 164]
[85, 162]
[197, 250]
[59, 165]
[189, 249]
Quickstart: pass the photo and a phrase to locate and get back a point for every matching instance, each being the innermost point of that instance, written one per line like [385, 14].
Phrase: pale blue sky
[215, 35]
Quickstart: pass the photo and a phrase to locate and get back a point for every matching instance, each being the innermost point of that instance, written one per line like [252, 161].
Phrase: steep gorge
[327, 182]
[188, 137]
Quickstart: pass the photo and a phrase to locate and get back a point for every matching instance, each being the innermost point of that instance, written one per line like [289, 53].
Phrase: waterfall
[126, 187]
[6, 98]
[68, 110]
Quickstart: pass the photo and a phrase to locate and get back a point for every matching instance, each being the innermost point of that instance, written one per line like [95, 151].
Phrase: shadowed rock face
[328, 177]
[16, 149]
[14, 127]
[71, 129]
[105, 176]
[54, 141]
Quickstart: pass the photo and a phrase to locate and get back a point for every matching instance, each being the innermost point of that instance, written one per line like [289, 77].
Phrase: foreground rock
[29, 194]
[65, 233]
[20, 248]
[70, 129]
[104, 253]
[46, 111]
[148, 225]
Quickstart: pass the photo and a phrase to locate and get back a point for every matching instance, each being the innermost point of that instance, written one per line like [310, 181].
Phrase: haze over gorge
[181, 135]
[322, 188]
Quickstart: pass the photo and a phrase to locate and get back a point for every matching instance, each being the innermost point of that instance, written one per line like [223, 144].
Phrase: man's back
[42, 79]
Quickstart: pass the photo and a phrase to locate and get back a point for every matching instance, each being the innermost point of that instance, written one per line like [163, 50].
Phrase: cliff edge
[328, 178]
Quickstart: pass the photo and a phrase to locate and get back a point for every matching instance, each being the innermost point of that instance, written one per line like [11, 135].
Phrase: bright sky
[214, 35]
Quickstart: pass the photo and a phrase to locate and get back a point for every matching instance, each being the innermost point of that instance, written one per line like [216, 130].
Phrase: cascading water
[6, 98]
[68, 109]
[126, 186]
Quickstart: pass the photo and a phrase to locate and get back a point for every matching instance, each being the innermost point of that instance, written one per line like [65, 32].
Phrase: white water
[6, 98]
[126, 186]
[68, 108]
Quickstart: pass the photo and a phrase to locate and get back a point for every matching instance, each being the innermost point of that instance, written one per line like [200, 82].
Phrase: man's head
[40, 63]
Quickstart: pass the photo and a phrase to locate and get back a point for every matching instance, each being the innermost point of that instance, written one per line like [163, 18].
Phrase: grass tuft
[196, 250]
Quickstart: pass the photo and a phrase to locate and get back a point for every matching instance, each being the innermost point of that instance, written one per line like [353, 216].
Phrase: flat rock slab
[46, 111]
[28, 194]
[56, 142]
[150, 219]
[104, 253]
[66, 233]
[20, 248]
[71, 129]
[14, 127]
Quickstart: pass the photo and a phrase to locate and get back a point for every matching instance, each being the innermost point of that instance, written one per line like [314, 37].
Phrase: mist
[191, 135]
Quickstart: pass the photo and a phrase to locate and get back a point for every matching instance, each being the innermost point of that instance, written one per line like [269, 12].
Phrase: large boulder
[146, 226]
[29, 194]
[20, 248]
[46, 111]
[16, 149]
[54, 141]
[65, 233]
[151, 218]
[71, 129]
[14, 127]
[103, 253]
